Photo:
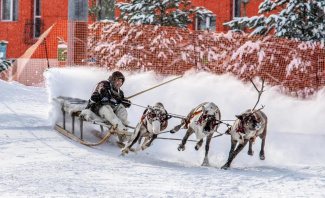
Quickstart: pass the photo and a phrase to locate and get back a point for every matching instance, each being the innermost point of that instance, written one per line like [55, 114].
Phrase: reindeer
[153, 121]
[248, 125]
[203, 120]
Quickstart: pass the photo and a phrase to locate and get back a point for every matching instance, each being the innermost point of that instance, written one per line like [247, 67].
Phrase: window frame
[207, 23]
[13, 10]
[37, 29]
[236, 8]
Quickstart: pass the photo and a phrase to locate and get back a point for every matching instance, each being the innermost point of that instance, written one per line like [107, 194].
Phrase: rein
[171, 115]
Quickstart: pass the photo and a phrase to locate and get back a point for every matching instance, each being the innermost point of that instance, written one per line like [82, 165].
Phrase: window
[37, 18]
[237, 8]
[209, 23]
[9, 10]
[108, 9]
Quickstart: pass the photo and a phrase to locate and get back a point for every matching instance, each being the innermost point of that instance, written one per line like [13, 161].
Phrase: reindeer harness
[211, 118]
[162, 117]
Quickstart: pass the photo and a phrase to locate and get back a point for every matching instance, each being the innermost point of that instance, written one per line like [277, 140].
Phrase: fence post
[77, 32]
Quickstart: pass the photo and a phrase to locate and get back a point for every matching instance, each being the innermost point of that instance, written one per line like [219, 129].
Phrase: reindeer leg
[144, 146]
[144, 143]
[198, 144]
[121, 138]
[176, 128]
[250, 150]
[263, 136]
[181, 146]
[232, 148]
[233, 153]
[131, 142]
[207, 147]
[262, 155]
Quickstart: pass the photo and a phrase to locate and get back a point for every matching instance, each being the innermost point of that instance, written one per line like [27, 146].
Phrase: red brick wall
[13, 32]
[56, 10]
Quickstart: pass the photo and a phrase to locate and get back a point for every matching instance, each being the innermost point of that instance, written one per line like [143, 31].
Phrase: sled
[74, 107]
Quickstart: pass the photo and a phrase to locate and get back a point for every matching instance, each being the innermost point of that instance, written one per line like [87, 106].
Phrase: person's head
[117, 79]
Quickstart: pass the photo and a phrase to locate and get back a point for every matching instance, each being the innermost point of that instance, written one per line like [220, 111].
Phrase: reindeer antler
[260, 108]
[259, 92]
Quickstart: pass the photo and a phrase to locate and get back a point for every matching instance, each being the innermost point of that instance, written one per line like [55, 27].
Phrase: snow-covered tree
[177, 13]
[295, 19]
[102, 10]
[4, 65]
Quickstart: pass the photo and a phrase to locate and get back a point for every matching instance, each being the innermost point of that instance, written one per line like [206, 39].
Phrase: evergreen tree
[4, 65]
[296, 19]
[177, 13]
[102, 10]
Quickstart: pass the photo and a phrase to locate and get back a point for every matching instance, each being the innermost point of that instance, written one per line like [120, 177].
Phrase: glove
[126, 103]
[113, 101]
[105, 99]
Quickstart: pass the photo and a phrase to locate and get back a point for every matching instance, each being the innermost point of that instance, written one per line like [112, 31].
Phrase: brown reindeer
[248, 125]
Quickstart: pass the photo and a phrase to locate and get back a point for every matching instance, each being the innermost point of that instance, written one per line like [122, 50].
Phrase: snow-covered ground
[37, 161]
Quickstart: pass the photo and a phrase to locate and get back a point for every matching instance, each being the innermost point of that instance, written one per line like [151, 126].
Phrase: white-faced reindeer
[153, 121]
[203, 120]
[248, 125]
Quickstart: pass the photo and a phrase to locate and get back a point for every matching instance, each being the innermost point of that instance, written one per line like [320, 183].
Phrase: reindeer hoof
[225, 167]
[172, 131]
[251, 153]
[197, 147]
[124, 151]
[205, 162]
[120, 144]
[181, 147]
[262, 156]
[147, 145]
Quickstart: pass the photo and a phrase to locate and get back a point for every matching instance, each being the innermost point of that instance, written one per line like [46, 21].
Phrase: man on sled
[107, 101]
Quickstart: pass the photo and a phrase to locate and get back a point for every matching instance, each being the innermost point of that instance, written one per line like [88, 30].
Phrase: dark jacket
[105, 94]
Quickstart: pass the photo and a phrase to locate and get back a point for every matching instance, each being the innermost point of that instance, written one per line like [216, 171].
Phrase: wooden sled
[74, 107]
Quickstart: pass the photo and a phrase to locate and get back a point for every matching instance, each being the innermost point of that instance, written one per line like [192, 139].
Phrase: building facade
[23, 21]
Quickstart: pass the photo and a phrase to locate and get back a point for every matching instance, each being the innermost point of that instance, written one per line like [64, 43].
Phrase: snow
[37, 161]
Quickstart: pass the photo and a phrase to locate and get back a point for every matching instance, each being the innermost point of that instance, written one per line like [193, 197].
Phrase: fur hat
[115, 76]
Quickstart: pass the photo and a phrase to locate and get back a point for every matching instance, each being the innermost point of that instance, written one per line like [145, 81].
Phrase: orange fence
[298, 68]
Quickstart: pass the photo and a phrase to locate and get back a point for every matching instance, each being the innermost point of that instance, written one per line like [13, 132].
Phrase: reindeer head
[156, 116]
[249, 121]
[208, 117]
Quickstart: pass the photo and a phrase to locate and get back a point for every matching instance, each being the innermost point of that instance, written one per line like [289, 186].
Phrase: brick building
[23, 21]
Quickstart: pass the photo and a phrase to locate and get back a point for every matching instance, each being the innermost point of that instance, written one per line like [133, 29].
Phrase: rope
[174, 139]
[174, 115]
[220, 134]
[170, 114]
[153, 87]
[164, 132]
